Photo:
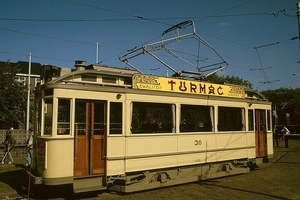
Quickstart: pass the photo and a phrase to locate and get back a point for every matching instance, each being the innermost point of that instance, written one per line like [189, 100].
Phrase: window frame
[231, 124]
[63, 128]
[202, 125]
[152, 118]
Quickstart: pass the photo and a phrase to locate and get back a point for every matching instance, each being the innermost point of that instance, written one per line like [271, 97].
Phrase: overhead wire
[56, 38]
[226, 10]
[138, 18]
[117, 12]
[36, 56]
[133, 17]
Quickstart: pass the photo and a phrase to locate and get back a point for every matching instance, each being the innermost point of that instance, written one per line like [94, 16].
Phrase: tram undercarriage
[174, 176]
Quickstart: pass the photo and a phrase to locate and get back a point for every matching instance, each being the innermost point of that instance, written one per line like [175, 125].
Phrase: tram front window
[48, 114]
[63, 117]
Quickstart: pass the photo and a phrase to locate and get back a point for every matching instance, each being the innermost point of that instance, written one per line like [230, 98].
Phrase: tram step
[88, 184]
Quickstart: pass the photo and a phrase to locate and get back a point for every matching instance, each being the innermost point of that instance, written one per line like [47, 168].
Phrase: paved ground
[278, 179]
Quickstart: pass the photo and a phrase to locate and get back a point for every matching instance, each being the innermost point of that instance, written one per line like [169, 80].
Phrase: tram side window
[231, 119]
[250, 120]
[37, 118]
[48, 114]
[115, 126]
[269, 119]
[196, 118]
[63, 117]
[152, 118]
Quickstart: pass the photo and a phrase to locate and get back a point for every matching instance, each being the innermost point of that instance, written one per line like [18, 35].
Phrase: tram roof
[96, 74]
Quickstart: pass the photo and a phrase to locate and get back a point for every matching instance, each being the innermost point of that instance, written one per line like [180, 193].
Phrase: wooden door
[98, 133]
[260, 133]
[89, 140]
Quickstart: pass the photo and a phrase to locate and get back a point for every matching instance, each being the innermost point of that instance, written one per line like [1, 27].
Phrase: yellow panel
[150, 163]
[211, 157]
[191, 159]
[115, 167]
[231, 140]
[59, 158]
[251, 139]
[192, 142]
[150, 82]
[115, 147]
[252, 153]
[152, 144]
[232, 154]
[270, 144]
[211, 141]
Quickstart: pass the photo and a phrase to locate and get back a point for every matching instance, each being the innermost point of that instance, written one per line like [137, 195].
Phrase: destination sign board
[169, 84]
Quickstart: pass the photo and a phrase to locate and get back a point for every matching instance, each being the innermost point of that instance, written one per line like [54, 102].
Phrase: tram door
[260, 132]
[89, 141]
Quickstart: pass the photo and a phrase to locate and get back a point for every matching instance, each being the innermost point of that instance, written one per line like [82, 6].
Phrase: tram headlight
[119, 96]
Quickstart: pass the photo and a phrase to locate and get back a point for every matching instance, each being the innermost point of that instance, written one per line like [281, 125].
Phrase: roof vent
[80, 65]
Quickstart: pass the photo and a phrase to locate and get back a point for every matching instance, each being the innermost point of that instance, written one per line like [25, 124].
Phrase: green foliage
[12, 96]
[214, 78]
[285, 100]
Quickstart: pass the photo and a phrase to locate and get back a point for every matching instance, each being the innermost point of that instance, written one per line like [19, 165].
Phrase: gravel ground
[278, 179]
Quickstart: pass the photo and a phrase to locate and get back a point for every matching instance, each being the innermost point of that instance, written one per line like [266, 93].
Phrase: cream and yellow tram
[110, 128]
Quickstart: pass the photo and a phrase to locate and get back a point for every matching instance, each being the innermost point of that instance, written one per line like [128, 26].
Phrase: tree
[13, 96]
[214, 78]
[285, 100]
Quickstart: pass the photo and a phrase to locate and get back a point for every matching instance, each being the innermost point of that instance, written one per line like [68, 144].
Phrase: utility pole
[97, 54]
[28, 95]
[298, 15]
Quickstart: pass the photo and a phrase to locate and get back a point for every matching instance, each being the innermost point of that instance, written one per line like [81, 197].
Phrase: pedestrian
[285, 131]
[9, 145]
[275, 136]
[30, 148]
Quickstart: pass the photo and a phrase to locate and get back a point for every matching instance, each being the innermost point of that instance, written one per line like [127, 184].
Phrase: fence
[20, 148]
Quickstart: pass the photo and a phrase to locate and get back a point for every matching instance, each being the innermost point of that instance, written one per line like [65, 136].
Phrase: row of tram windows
[160, 118]
[145, 118]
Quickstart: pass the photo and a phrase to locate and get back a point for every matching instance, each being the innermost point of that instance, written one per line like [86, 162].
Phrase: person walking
[285, 131]
[30, 148]
[9, 145]
[275, 136]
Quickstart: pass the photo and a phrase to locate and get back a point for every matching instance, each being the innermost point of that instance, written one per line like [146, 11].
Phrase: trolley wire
[136, 17]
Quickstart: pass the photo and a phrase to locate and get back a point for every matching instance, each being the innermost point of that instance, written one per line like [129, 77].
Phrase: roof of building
[35, 67]
[24, 67]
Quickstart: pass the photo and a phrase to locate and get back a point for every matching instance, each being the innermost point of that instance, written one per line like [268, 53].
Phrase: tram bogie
[168, 177]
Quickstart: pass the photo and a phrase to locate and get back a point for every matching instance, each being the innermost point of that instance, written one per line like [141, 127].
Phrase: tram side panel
[156, 151]
[115, 155]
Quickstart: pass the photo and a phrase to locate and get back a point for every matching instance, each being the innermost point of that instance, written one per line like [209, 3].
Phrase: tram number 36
[198, 142]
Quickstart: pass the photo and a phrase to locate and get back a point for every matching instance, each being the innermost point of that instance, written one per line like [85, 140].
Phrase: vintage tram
[99, 127]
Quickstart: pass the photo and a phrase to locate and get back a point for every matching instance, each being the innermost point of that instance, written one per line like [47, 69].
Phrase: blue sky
[253, 36]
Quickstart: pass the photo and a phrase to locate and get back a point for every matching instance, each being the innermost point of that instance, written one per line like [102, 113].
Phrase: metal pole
[97, 53]
[28, 94]
[298, 15]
